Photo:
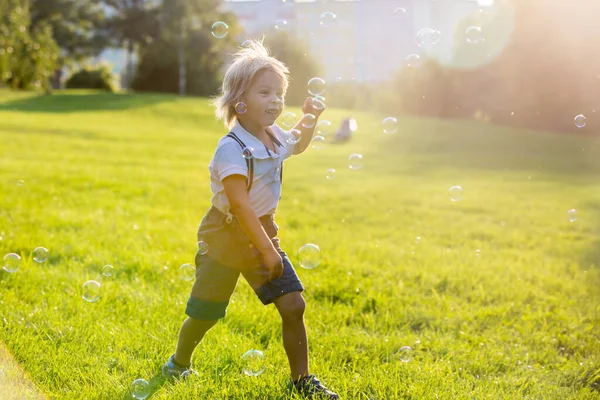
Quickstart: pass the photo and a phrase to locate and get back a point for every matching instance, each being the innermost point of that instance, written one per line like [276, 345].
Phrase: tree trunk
[182, 71]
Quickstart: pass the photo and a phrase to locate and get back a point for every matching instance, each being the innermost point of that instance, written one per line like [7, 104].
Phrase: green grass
[123, 180]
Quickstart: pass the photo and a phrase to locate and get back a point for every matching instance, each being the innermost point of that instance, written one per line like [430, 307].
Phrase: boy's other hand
[274, 263]
[313, 106]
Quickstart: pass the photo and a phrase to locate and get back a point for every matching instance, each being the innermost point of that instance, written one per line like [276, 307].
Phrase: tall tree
[75, 26]
[132, 23]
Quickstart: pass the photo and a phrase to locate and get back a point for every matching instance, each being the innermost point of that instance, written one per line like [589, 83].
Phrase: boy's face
[264, 99]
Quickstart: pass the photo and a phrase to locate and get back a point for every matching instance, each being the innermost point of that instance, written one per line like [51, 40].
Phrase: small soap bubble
[293, 136]
[240, 107]
[418, 239]
[572, 215]
[330, 174]
[327, 19]
[473, 35]
[90, 291]
[281, 24]
[140, 389]
[413, 60]
[11, 262]
[324, 128]
[390, 125]
[428, 37]
[400, 12]
[247, 44]
[202, 247]
[406, 353]
[288, 120]
[108, 270]
[309, 121]
[580, 121]
[316, 86]
[253, 362]
[317, 142]
[456, 193]
[317, 103]
[20, 182]
[219, 29]
[248, 153]
[309, 256]
[477, 253]
[40, 254]
[189, 373]
[355, 161]
[187, 272]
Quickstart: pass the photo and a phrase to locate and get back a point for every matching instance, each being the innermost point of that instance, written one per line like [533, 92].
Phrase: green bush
[27, 56]
[97, 77]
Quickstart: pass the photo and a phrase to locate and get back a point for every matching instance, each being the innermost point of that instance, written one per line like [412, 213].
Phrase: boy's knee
[205, 310]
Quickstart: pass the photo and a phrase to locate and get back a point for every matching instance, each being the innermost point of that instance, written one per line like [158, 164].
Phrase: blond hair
[251, 59]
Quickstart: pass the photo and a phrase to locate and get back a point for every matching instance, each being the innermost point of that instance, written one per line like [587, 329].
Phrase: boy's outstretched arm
[306, 133]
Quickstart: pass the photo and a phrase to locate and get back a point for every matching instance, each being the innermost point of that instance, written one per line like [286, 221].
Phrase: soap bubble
[473, 34]
[281, 24]
[324, 128]
[219, 29]
[288, 120]
[294, 136]
[327, 19]
[140, 389]
[390, 125]
[253, 362]
[456, 193]
[400, 12]
[202, 247]
[317, 103]
[189, 373]
[248, 153]
[428, 37]
[406, 353]
[309, 256]
[20, 182]
[316, 86]
[413, 60]
[318, 142]
[240, 107]
[247, 44]
[580, 121]
[90, 291]
[187, 272]
[309, 120]
[572, 215]
[355, 161]
[40, 254]
[330, 174]
[11, 262]
[108, 270]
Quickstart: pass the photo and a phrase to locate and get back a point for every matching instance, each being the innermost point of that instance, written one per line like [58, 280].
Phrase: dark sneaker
[310, 386]
[173, 370]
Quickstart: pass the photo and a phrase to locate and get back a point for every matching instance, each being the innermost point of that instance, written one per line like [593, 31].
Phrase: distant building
[368, 40]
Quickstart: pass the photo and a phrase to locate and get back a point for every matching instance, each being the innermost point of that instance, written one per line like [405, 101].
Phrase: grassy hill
[497, 294]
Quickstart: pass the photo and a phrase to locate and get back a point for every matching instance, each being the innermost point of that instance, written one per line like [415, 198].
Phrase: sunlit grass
[123, 180]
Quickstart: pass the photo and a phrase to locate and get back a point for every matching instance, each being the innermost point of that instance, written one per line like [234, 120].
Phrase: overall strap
[278, 143]
[249, 162]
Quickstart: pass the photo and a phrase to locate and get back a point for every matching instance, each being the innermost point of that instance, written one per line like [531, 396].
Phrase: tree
[296, 56]
[76, 26]
[186, 58]
[27, 55]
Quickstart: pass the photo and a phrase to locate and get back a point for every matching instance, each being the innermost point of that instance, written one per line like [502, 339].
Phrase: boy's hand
[274, 263]
[313, 106]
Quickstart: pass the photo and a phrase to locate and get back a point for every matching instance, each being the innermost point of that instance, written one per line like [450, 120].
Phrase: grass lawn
[497, 294]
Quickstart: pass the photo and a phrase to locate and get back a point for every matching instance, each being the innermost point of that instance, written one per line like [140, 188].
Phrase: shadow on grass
[82, 101]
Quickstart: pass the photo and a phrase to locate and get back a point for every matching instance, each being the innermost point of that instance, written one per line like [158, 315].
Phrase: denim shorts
[216, 282]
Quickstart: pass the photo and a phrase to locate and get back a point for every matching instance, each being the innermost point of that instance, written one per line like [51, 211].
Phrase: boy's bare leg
[295, 341]
[191, 333]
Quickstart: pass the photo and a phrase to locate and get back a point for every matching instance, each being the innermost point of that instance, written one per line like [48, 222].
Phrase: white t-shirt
[228, 160]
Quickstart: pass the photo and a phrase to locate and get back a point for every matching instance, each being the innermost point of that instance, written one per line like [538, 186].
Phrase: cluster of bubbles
[12, 261]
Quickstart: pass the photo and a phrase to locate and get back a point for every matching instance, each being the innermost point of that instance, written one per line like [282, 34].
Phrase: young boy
[238, 233]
